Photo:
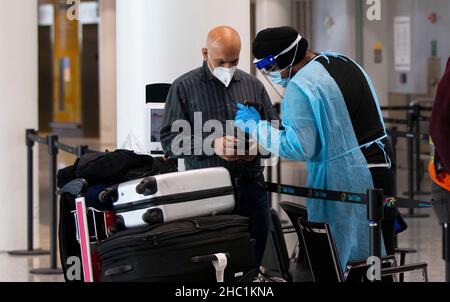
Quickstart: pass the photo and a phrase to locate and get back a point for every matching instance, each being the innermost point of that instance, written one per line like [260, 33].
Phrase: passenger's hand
[225, 148]
[250, 152]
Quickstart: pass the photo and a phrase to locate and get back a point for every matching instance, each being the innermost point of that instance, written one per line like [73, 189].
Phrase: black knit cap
[272, 41]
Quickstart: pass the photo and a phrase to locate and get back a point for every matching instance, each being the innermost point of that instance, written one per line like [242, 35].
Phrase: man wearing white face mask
[216, 89]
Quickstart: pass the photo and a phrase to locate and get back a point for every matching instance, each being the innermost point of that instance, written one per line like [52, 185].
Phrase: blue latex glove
[247, 118]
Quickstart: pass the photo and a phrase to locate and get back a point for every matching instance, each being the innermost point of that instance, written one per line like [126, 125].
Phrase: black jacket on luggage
[114, 167]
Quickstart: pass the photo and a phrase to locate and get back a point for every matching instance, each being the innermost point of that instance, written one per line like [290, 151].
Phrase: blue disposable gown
[318, 130]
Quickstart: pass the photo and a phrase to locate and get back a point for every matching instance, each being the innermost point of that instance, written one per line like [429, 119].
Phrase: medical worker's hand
[225, 148]
[247, 118]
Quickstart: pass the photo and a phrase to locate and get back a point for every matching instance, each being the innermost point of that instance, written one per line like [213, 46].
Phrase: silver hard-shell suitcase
[173, 196]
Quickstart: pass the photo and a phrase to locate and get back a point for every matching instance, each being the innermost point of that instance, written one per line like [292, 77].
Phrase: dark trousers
[441, 205]
[385, 179]
[252, 202]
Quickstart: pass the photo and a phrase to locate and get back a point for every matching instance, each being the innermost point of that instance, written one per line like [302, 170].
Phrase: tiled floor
[423, 234]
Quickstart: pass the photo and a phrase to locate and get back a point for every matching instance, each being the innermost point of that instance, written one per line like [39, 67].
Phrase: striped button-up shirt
[199, 91]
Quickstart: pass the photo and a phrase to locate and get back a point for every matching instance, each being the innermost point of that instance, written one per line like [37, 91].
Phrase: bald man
[214, 91]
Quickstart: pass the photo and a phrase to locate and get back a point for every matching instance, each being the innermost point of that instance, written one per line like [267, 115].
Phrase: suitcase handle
[118, 270]
[148, 186]
[208, 258]
[219, 262]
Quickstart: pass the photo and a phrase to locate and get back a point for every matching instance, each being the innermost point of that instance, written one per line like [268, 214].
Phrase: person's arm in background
[440, 120]
[299, 139]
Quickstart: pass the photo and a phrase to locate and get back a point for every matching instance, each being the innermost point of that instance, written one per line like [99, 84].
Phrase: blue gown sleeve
[299, 139]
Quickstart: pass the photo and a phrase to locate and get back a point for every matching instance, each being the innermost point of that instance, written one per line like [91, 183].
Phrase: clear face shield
[269, 65]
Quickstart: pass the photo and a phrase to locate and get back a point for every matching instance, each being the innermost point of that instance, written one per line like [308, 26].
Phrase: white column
[108, 76]
[18, 111]
[159, 40]
[272, 13]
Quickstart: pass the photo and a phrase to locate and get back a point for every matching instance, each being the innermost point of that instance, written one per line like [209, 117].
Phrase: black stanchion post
[277, 108]
[411, 213]
[375, 217]
[53, 153]
[412, 138]
[394, 141]
[279, 181]
[410, 142]
[30, 191]
[81, 150]
[446, 248]
[279, 171]
[410, 159]
[30, 251]
[417, 143]
[269, 179]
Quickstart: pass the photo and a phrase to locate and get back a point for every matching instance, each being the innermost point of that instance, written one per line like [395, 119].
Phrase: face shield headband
[275, 70]
[269, 63]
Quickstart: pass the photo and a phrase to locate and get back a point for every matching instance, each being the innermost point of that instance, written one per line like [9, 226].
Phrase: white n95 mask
[223, 74]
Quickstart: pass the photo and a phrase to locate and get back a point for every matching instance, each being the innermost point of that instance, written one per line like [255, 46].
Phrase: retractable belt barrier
[395, 121]
[346, 197]
[52, 141]
[405, 108]
[374, 201]
[404, 134]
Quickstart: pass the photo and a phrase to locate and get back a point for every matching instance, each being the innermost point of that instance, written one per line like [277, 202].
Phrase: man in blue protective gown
[332, 120]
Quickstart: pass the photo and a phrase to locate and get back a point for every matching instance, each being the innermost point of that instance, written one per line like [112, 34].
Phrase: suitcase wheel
[117, 226]
[148, 186]
[153, 216]
[109, 194]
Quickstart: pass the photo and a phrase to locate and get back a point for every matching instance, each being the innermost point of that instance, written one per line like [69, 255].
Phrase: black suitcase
[168, 252]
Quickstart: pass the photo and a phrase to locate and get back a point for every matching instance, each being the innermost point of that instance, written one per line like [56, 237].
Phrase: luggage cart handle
[92, 212]
[75, 187]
